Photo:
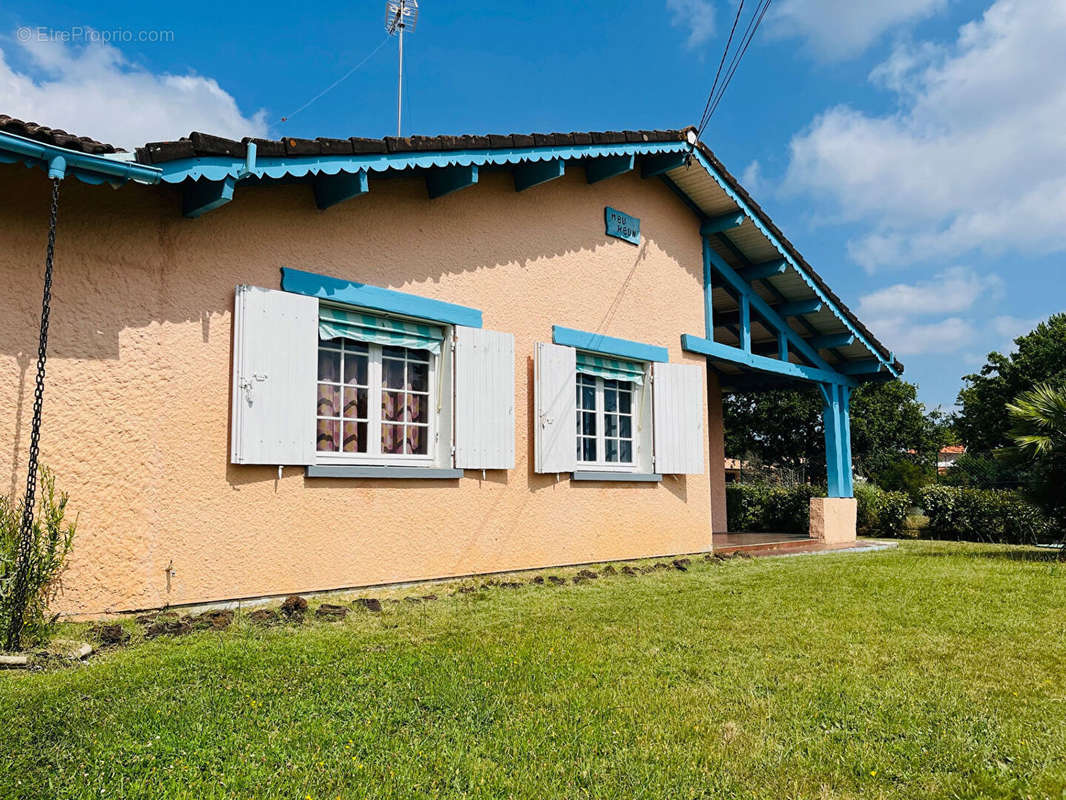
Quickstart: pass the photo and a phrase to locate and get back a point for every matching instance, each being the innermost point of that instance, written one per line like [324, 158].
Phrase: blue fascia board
[604, 167]
[376, 298]
[724, 352]
[216, 168]
[88, 168]
[608, 345]
[526, 176]
[821, 295]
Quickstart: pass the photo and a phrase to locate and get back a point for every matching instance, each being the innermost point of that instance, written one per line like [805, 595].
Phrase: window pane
[624, 402]
[588, 397]
[355, 440]
[391, 439]
[588, 449]
[329, 400]
[328, 435]
[626, 451]
[417, 440]
[329, 365]
[611, 446]
[417, 408]
[392, 406]
[610, 425]
[625, 427]
[355, 368]
[392, 373]
[355, 403]
[610, 398]
[394, 352]
[417, 355]
[589, 423]
[418, 377]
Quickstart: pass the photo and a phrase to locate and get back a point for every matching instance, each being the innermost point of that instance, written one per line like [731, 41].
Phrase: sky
[913, 150]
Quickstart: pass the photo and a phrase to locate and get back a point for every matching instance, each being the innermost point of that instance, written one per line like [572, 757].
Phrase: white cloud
[975, 156]
[94, 91]
[1010, 328]
[907, 338]
[751, 178]
[836, 29]
[951, 291]
[695, 16]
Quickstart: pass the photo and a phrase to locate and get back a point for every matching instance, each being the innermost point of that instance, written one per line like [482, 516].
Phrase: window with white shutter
[555, 387]
[678, 412]
[484, 399]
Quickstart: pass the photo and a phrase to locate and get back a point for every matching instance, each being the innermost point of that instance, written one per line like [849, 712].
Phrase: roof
[209, 168]
[55, 136]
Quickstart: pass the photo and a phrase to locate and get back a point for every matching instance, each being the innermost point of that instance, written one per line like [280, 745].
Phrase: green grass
[935, 670]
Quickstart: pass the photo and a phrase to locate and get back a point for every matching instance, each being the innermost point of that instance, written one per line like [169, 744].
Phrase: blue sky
[914, 150]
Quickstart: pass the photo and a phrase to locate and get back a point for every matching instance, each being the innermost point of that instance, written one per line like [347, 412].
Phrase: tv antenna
[400, 15]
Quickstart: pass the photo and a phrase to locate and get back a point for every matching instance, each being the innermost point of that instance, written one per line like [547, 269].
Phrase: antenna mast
[400, 15]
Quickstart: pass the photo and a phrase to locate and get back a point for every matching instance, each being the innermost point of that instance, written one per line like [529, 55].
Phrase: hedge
[982, 515]
[764, 508]
[880, 512]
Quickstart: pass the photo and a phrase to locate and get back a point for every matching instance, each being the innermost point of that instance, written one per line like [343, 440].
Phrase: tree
[984, 423]
[1038, 418]
[784, 427]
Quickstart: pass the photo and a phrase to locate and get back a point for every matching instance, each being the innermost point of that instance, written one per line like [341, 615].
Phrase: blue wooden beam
[799, 307]
[774, 366]
[199, 197]
[768, 313]
[836, 417]
[708, 279]
[445, 180]
[609, 345]
[333, 189]
[832, 340]
[868, 366]
[535, 173]
[725, 222]
[374, 297]
[764, 270]
[745, 323]
[782, 347]
[651, 166]
[600, 169]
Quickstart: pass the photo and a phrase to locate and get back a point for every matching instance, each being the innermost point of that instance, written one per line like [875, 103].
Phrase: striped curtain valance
[615, 369]
[333, 323]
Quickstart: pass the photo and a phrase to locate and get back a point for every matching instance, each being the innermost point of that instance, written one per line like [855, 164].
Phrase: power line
[725, 52]
[718, 91]
[337, 82]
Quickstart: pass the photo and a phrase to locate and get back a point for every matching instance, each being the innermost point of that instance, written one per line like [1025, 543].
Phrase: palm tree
[1039, 420]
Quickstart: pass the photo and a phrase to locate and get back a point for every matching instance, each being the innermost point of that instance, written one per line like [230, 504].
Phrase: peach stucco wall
[136, 416]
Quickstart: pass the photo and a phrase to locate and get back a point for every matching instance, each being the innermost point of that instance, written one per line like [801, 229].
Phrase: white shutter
[275, 346]
[484, 399]
[555, 425]
[677, 396]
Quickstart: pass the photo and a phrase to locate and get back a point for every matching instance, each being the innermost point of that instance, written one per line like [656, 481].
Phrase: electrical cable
[337, 82]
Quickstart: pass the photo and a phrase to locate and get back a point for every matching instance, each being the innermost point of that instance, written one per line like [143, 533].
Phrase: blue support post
[836, 415]
[782, 347]
[708, 288]
[745, 323]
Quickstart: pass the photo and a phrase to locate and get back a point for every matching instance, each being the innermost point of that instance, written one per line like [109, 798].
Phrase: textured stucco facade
[136, 413]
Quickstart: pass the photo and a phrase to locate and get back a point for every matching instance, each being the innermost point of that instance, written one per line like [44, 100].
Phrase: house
[302, 365]
[947, 457]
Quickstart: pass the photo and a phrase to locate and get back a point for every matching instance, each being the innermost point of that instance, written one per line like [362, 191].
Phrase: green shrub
[50, 544]
[903, 476]
[763, 508]
[983, 515]
[879, 512]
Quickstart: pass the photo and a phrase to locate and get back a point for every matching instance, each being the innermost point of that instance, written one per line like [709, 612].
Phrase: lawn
[934, 670]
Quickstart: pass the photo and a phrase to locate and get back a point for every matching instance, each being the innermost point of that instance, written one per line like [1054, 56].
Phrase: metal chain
[18, 604]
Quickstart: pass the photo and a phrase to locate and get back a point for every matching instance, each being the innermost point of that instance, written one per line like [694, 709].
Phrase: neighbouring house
[947, 457]
[301, 365]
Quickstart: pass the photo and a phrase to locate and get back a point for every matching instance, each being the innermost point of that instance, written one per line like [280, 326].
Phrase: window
[374, 403]
[605, 422]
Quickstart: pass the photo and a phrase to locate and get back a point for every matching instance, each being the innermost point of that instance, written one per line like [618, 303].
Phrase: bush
[762, 508]
[903, 476]
[50, 545]
[881, 513]
[983, 515]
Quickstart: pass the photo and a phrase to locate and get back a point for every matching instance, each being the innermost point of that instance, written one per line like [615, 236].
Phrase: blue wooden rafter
[441, 181]
[526, 176]
[199, 197]
[600, 169]
[333, 189]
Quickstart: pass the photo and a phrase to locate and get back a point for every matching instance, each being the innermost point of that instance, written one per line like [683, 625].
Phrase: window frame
[375, 390]
[601, 464]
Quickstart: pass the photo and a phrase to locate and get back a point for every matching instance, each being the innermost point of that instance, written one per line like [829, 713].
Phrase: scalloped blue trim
[217, 168]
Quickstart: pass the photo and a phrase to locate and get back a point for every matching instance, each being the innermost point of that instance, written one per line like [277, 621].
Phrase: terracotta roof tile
[55, 136]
